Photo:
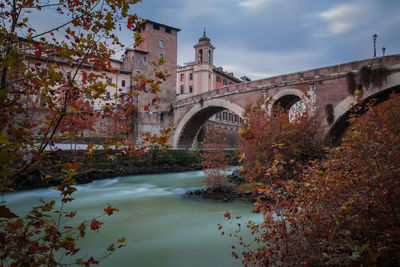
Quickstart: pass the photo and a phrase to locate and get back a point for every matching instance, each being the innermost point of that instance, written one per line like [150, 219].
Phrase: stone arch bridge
[327, 86]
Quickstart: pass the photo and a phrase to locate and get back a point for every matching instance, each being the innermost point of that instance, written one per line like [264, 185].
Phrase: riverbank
[35, 178]
[102, 165]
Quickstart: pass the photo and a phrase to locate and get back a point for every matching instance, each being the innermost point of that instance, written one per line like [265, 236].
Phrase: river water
[162, 227]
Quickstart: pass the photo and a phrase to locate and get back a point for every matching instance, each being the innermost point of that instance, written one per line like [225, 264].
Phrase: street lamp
[383, 51]
[374, 36]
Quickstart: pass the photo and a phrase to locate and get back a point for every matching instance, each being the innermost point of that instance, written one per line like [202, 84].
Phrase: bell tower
[204, 50]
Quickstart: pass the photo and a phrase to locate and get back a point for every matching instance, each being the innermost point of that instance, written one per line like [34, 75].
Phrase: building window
[161, 43]
[156, 27]
[123, 83]
[161, 56]
[209, 76]
[236, 118]
[190, 89]
[138, 73]
[218, 79]
[200, 55]
[167, 29]
[218, 116]
[144, 59]
[69, 76]
[109, 81]
[225, 82]
[230, 83]
[224, 116]
[108, 95]
[182, 89]
[191, 76]
[230, 117]
[182, 77]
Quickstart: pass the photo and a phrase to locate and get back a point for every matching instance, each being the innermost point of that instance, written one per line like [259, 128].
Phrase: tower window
[161, 43]
[144, 59]
[200, 55]
[209, 57]
[123, 83]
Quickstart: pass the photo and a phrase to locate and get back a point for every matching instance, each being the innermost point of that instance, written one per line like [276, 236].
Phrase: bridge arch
[190, 125]
[344, 109]
[285, 98]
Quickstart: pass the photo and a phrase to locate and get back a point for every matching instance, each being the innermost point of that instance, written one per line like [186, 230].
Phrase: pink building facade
[201, 75]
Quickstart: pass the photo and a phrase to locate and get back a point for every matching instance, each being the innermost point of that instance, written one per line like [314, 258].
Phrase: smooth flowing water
[162, 227]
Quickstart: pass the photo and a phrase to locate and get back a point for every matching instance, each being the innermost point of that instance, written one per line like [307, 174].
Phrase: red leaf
[110, 210]
[95, 225]
[38, 53]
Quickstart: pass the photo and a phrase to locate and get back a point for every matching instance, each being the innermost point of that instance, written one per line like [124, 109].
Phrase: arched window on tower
[200, 56]
[209, 57]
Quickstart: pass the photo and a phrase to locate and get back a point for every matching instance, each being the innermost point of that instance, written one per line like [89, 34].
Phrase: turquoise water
[162, 227]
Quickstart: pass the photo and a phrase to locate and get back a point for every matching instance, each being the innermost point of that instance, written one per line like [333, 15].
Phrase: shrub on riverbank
[343, 210]
[214, 162]
[297, 139]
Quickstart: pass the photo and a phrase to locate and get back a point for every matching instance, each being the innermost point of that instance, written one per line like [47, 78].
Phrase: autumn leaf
[109, 210]
[95, 225]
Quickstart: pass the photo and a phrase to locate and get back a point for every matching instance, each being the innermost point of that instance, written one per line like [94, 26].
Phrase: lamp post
[374, 36]
[383, 51]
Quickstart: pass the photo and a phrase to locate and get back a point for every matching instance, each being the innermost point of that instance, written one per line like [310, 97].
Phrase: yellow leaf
[121, 240]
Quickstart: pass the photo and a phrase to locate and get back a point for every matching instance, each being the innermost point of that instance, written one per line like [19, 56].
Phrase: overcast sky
[262, 38]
